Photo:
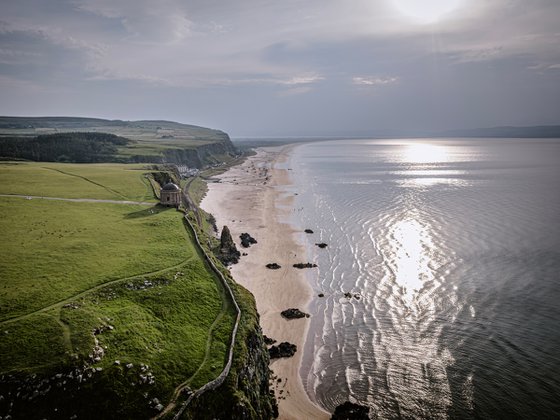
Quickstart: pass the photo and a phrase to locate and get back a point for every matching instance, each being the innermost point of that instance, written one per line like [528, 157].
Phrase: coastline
[251, 198]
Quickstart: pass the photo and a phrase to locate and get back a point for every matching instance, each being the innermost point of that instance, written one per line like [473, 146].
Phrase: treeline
[63, 147]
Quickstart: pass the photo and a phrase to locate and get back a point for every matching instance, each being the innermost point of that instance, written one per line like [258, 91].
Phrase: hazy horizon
[262, 68]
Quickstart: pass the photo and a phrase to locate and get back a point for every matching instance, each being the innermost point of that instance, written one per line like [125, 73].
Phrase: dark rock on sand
[247, 240]
[308, 231]
[268, 341]
[294, 313]
[284, 349]
[322, 245]
[321, 295]
[273, 266]
[228, 253]
[305, 265]
[350, 411]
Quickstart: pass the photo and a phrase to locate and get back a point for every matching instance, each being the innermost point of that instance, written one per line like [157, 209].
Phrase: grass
[164, 326]
[128, 276]
[59, 249]
[97, 181]
[197, 189]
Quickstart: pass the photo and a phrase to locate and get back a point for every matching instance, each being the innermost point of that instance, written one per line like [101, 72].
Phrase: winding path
[80, 200]
[93, 289]
[219, 380]
[227, 295]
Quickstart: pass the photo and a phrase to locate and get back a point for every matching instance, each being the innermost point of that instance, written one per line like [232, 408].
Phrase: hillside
[108, 305]
[138, 141]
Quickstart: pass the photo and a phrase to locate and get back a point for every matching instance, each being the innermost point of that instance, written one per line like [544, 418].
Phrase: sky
[285, 67]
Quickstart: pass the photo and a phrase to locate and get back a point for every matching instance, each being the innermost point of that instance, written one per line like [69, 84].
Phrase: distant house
[170, 195]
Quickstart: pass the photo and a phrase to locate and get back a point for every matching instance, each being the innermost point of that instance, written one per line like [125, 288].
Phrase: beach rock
[321, 295]
[284, 349]
[308, 231]
[350, 411]
[273, 266]
[294, 313]
[228, 253]
[247, 240]
[305, 265]
[268, 341]
[322, 245]
[226, 241]
[348, 295]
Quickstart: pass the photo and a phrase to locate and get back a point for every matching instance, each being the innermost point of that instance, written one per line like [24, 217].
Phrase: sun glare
[412, 242]
[425, 153]
[426, 11]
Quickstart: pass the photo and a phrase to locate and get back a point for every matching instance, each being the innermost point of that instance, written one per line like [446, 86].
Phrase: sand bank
[251, 198]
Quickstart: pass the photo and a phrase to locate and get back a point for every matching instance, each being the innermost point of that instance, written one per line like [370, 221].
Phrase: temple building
[170, 195]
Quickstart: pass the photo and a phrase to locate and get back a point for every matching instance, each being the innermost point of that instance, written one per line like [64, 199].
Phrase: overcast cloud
[290, 67]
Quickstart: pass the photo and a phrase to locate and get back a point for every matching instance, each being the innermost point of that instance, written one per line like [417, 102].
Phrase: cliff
[245, 394]
[94, 140]
[202, 155]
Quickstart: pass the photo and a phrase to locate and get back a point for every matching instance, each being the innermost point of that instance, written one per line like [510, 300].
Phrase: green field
[98, 291]
[106, 181]
[58, 249]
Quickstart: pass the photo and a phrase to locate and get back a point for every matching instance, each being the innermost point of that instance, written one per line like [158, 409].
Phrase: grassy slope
[99, 181]
[58, 249]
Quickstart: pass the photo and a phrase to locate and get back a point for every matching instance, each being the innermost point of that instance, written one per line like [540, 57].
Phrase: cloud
[54, 34]
[295, 91]
[251, 51]
[295, 81]
[207, 42]
[144, 21]
[16, 57]
[301, 80]
[373, 80]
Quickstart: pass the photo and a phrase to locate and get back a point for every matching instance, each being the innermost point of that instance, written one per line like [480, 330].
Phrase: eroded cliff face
[246, 392]
[253, 381]
[195, 157]
[200, 156]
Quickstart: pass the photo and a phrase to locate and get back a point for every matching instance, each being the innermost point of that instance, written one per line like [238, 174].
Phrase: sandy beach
[251, 198]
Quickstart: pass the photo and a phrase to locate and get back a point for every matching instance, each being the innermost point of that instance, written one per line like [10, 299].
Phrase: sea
[441, 275]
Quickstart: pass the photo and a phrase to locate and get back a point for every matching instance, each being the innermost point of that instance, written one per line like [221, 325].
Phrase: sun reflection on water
[425, 153]
[411, 243]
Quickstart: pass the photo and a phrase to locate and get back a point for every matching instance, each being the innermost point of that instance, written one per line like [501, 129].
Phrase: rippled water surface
[451, 251]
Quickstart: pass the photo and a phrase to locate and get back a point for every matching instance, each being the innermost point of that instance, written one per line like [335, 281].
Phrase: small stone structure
[170, 195]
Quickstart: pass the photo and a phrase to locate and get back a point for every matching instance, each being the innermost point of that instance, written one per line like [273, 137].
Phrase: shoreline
[251, 198]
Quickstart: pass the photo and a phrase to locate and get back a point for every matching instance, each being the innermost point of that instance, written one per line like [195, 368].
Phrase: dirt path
[80, 200]
[112, 191]
[226, 305]
[181, 387]
[93, 289]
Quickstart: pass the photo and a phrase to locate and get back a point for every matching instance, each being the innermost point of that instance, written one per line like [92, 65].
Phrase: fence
[219, 380]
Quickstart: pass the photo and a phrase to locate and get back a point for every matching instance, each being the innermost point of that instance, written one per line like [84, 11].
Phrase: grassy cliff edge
[91, 333]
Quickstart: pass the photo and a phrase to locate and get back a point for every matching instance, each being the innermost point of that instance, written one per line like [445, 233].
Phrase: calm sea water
[451, 250]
